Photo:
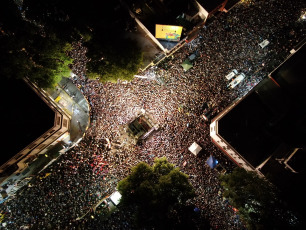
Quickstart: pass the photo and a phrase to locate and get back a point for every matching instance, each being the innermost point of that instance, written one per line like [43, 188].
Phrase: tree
[256, 199]
[101, 25]
[36, 46]
[67, 19]
[27, 52]
[15, 34]
[51, 61]
[156, 192]
[112, 59]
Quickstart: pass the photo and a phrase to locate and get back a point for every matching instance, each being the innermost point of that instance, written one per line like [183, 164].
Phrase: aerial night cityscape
[153, 114]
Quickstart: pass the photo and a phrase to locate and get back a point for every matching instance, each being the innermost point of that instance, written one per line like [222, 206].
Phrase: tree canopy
[257, 200]
[155, 191]
[27, 52]
[101, 25]
[35, 38]
[112, 58]
[51, 62]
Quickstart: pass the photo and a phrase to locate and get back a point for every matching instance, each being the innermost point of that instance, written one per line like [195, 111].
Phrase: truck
[232, 74]
[236, 81]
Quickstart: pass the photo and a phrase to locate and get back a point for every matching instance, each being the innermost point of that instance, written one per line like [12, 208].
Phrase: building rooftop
[273, 113]
[268, 128]
[210, 5]
[25, 117]
[240, 128]
[164, 12]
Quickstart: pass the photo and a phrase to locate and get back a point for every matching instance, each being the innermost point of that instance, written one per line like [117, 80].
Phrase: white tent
[115, 197]
[195, 148]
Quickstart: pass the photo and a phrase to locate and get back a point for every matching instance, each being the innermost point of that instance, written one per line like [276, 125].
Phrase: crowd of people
[69, 188]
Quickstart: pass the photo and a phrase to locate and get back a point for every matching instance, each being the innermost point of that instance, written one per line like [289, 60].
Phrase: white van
[231, 74]
[236, 81]
[264, 43]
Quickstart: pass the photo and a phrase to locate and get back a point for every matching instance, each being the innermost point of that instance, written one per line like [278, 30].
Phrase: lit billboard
[166, 32]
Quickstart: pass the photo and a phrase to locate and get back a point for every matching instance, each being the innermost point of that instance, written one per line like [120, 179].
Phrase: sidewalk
[72, 101]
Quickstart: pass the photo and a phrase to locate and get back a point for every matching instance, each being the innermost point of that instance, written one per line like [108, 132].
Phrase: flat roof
[288, 182]
[297, 162]
[25, 117]
[271, 120]
[274, 112]
[156, 12]
[291, 77]
[244, 129]
[210, 5]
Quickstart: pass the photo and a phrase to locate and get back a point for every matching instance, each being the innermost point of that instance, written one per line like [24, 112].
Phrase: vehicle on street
[236, 81]
[232, 74]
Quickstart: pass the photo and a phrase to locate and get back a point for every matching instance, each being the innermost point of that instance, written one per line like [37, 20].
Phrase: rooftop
[210, 5]
[164, 12]
[273, 113]
[241, 129]
[270, 122]
[25, 117]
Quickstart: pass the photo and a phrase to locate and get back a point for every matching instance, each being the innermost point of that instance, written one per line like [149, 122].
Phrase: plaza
[85, 174]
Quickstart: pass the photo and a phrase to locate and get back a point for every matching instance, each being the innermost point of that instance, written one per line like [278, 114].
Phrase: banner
[170, 33]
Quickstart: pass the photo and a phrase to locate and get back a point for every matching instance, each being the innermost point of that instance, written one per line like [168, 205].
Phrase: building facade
[20, 162]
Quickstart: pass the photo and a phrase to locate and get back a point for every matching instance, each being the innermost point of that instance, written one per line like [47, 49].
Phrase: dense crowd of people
[69, 188]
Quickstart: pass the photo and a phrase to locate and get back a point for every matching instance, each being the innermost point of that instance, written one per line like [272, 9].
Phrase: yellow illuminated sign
[172, 33]
[58, 99]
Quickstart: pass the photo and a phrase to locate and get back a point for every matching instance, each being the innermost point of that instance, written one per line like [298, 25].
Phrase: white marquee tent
[195, 148]
[115, 197]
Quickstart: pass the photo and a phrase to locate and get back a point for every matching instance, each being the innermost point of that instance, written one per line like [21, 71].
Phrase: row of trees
[36, 37]
[159, 193]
